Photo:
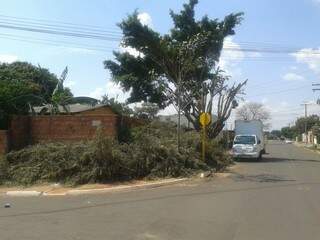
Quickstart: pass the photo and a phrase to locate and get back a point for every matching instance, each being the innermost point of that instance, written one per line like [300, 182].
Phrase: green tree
[306, 123]
[146, 110]
[20, 79]
[180, 67]
[289, 132]
[117, 107]
[30, 74]
[276, 133]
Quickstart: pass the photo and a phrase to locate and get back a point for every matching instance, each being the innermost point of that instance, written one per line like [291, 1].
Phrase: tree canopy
[23, 86]
[306, 122]
[23, 79]
[179, 67]
[254, 111]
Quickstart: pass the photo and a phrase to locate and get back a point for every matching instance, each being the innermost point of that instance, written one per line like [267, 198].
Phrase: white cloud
[265, 100]
[294, 68]
[145, 19]
[170, 110]
[254, 54]
[111, 89]
[97, 93]
[69, 83]
[7, 58]
[230, 59]
[131, 51]
[293, 77]
[309, 56]
[79, 50]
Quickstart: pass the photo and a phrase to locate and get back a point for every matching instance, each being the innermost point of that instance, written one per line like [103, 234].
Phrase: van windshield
[245, 140]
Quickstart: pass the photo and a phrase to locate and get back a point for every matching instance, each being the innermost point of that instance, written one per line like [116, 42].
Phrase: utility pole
[316, 89]
[305, 104]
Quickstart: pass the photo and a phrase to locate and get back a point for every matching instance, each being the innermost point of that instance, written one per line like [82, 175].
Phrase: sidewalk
[60, 190]
[309, 147]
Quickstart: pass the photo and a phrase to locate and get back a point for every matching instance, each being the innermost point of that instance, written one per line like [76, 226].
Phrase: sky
[282, 81]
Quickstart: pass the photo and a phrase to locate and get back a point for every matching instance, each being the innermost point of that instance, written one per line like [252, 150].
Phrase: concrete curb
[124, 188]
[97, 190]
[23, 193]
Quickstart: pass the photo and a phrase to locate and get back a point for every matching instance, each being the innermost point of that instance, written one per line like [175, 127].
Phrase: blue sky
[280, 81]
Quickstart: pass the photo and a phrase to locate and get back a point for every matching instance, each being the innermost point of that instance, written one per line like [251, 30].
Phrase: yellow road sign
[205, 119]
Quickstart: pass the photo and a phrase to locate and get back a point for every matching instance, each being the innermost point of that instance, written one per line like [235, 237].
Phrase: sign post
[205, 119]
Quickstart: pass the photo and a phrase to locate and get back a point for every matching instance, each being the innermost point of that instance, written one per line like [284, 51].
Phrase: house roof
[73, 108]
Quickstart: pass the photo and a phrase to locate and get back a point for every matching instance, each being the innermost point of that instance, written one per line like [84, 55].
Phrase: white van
[249, 141]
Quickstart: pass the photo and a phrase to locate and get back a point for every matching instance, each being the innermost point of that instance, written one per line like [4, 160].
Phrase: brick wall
[20, 132]
[25, 130]
[4, 142]
[71, 127]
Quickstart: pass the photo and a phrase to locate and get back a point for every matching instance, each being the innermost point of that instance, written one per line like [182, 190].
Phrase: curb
[23, 193]
[123, 188]
[306, 148]
[93, 191]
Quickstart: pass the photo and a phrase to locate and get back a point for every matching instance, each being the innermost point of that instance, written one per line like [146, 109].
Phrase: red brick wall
[25, 130]
[4, 142]
[71, 127]
[20, 132]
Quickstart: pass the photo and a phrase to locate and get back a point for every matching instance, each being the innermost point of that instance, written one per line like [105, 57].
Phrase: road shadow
[260, 178]
[274, 160]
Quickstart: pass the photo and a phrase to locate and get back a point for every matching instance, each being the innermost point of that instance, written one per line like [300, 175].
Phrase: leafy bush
[216, 155]
[151, 153]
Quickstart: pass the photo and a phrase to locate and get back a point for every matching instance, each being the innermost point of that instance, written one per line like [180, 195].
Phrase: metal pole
[305, 115]
[203, 128]
[306, 123]
[203, 143]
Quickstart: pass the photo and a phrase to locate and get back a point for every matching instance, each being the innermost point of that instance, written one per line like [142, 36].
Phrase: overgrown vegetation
[151, 153]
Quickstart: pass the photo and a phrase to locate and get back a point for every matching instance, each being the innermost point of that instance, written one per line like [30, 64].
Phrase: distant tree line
[310, 123]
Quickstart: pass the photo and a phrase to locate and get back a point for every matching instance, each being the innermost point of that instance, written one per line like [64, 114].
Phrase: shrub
[152, 152]
[216, 155]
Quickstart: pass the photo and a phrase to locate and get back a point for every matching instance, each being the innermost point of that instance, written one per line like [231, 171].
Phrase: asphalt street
[275, 198]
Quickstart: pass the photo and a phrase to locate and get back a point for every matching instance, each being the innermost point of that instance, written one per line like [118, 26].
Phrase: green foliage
[302, 122]
[276, 133]
[152, 153]
[301, 125]
[146, 110]
[22, 84]
[177, 66]
[216, 155]
[117, 107]
[289, 132]
[29, 74]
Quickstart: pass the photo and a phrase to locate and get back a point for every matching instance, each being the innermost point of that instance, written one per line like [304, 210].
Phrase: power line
[57, 43]
[276, 92]
[63, 33]
[23, 38]
[61, 28]
[55, 22]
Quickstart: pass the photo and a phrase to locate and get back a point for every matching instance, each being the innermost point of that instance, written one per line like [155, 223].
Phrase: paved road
[277, 198]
